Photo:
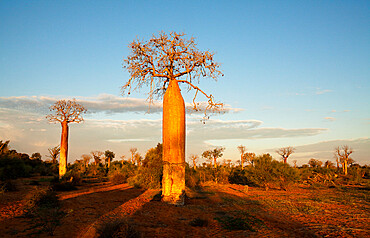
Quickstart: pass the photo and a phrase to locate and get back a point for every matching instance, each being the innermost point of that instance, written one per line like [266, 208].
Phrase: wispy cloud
[329, 118]
[323, 91]
[103, 103]
[118, 135]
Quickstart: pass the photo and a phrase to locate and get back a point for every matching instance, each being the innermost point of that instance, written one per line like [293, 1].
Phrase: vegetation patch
[44, 207]
[198, 222]
[238, 221]
[118, 228]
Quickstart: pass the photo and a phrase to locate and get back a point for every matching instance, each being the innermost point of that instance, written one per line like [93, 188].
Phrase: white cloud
[325, 150]
[330, 118]
[323, 91]
[105, 103]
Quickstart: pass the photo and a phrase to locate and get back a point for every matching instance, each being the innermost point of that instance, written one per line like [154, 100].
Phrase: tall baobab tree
[162, 63]
[285, 152]
[342, 153]
[65, 112]
[242, 149]
[194, 159]
[54, 153]
[213, 154]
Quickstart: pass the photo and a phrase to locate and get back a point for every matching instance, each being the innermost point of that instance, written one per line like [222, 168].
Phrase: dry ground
[212, 211]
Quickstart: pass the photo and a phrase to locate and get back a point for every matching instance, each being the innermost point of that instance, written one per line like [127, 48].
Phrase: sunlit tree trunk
[63, 150]
[345, 167]
[173, 183]
[242, 160]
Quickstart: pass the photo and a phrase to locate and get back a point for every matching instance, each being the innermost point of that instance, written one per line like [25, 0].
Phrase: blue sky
[298, 68]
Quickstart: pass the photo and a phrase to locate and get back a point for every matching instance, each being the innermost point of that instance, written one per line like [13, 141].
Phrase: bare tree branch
[169, 57]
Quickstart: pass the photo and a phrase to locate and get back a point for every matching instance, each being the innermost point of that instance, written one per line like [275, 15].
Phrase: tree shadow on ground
[213, 213]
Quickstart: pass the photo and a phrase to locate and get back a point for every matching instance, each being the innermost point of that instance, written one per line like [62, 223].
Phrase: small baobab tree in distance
[162, 63]
[96, 154]
[342, 153]
[285, 152]
[133, 152]
[109, 156]
[4, 146]
[54, 153]
[65, 112]
[250, 156]
[242, 149]
[86, 159]
[213, 155]
[194, 159]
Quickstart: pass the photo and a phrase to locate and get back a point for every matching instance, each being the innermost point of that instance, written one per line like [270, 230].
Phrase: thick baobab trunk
[63, 150]
[345, 167]
[173, 182]
[108, 163]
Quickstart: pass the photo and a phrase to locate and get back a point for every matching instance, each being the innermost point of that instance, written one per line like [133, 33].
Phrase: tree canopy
[167, 57]
[66, 111]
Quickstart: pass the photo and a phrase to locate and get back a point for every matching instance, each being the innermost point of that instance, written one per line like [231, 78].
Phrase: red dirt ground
[300, 212]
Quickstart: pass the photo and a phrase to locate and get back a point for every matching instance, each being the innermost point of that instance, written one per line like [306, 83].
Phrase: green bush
[118, 178]
[192, 178]
[12, 168]
[150, 174]
[40, 198]
[44, 207]
[265, 172]
[7, 186]
[73, 177]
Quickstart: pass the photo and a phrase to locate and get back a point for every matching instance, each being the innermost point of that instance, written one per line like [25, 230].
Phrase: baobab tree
[250, 156]
[109, 156]
[242, 149]
[96, 156]
[194, 159]
[138, 158]
[213, 154]
[133, 152]
[54, 153]
[295, 163]
[4, 146]
[342, 153]
[162, 63]
[65, 112]
[86, 159]
[285, 152]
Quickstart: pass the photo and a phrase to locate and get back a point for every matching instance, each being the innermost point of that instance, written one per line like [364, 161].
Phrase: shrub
[264, 173]
[150, 174]
[40, 198]
[7, 186]
[118, 228]
[12, 168]
[198, 222]
[192, 178]
[72, 177]
[43, 205]
[118, 178]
